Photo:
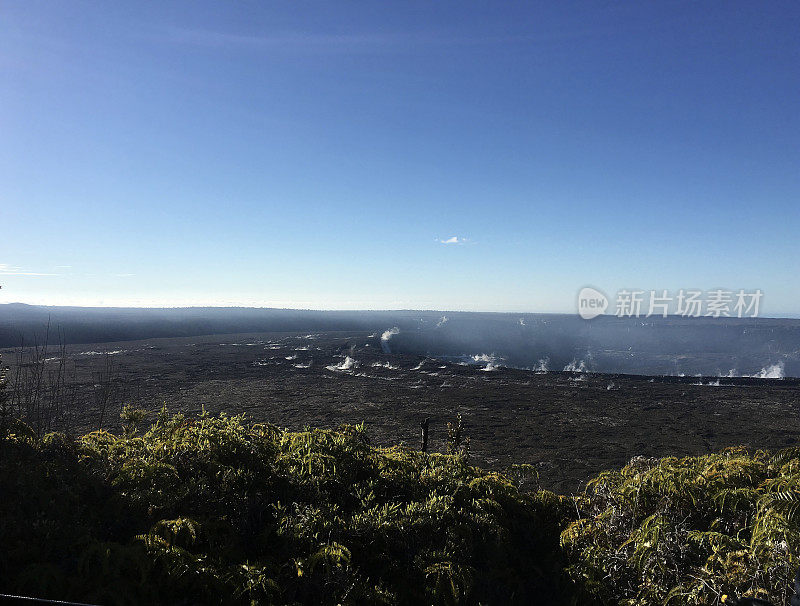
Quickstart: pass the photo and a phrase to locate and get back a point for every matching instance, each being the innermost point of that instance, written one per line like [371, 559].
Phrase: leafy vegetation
[691, 530]
[211, 510]
[214, 510]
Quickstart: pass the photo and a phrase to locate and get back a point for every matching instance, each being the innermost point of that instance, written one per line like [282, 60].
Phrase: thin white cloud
[10, 270]
[454, 240]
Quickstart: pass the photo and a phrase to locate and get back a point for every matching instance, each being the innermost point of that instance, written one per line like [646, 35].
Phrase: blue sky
[322, 155]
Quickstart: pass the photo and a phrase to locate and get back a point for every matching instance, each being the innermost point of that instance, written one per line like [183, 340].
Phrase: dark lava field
[569, 425]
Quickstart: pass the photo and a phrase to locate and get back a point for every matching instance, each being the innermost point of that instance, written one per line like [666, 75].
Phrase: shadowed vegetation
[210, 510]
[215, 510]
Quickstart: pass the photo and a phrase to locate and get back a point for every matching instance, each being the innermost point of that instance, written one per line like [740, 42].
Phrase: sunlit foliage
[214, 510]
[691, 530]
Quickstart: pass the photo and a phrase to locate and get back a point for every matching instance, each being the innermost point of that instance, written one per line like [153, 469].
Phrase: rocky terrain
[571, 425]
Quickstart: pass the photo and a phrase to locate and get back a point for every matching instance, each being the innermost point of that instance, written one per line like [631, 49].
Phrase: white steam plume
[574, 366]
[347, 364]
[773, 371]
[490, 360]
[388, 334]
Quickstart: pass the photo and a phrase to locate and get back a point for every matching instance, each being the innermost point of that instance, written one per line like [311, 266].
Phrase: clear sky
[445, 155]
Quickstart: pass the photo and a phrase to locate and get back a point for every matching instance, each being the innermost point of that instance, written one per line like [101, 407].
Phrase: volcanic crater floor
[570, 426]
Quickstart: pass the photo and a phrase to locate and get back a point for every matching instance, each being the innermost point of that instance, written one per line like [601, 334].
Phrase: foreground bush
[688, 531]
[211, 510]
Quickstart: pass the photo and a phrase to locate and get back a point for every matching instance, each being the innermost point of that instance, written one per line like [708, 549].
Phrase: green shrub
[213, 510]
[688, 531]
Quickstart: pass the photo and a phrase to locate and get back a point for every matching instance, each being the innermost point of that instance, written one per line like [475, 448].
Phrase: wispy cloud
[454, 240]
[10, 270]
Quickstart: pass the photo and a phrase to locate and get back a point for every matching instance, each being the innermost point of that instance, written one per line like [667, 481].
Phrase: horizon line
[405, 309]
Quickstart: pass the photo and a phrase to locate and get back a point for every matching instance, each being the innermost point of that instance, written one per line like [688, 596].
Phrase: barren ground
[570, 426]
